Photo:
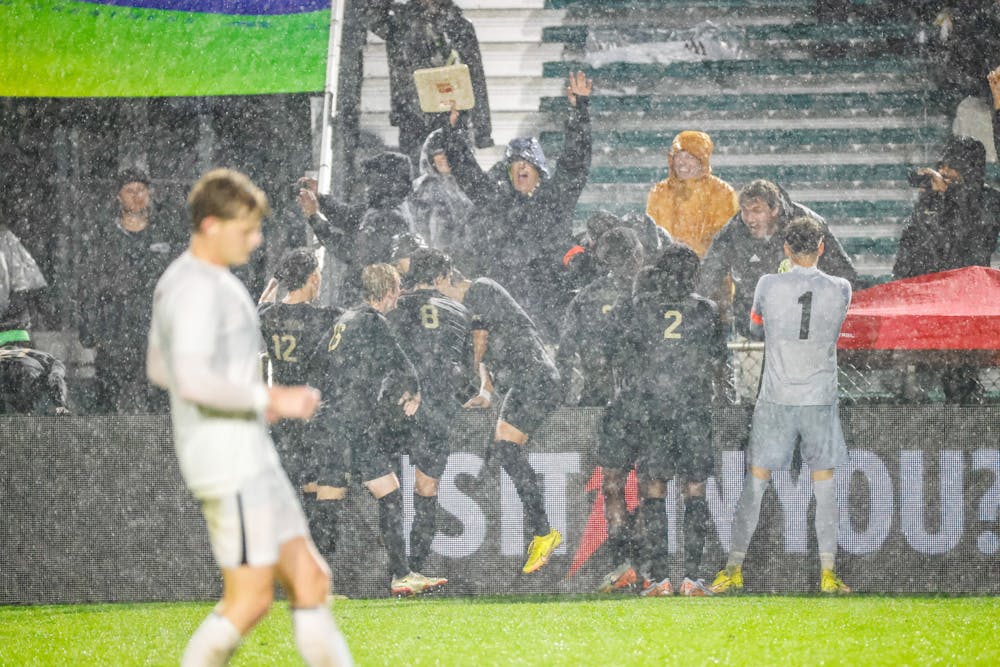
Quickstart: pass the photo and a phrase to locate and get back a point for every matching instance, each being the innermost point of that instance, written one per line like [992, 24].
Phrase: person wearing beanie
[125, 256]
[691, 203]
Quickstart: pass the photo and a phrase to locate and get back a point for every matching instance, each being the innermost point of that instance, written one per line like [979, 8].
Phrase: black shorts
[638, 432]
[424, 436]
[529, 401]
[318, 454]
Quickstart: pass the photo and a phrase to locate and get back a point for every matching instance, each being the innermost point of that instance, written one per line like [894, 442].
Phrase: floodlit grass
[541, 631]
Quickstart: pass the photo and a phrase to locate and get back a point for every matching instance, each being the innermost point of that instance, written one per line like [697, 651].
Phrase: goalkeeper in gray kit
[800, 314]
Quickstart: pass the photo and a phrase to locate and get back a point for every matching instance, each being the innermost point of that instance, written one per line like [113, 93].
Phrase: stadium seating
[835, 113]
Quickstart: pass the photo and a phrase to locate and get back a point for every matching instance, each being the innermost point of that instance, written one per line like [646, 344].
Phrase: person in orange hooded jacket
[692, 204]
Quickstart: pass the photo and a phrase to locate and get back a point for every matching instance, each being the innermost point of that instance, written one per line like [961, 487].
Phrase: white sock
[212, 643]
[318, 638]
[827, 521]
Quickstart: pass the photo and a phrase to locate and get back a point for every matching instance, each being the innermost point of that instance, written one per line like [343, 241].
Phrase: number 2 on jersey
[675, 317]
[806, 300]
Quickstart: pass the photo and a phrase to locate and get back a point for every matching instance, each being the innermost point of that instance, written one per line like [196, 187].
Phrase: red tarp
[951, 310]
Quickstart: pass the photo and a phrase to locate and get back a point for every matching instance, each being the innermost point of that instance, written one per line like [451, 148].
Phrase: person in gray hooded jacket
[524, 210]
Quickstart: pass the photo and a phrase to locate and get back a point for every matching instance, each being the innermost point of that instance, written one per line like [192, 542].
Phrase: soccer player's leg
[524, 408]
[243, 532]
[306, 579]
[823, 448]
[325, 457]
[653, 489]
[616, 456]
[696, 461]
[429, 454]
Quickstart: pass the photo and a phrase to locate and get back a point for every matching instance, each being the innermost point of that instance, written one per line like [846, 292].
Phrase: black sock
[323, 521]
[654, 519]
[696, 518]
[619, 548]
[514, 461]
[390, 523]
[422, 530]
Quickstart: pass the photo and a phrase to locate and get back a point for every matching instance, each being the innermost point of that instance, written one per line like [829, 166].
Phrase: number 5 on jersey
[338, 331]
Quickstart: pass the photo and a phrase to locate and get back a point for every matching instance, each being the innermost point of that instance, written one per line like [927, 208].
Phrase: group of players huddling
[390, 370]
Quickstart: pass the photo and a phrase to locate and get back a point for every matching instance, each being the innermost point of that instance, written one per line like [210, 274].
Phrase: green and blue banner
[162, 48]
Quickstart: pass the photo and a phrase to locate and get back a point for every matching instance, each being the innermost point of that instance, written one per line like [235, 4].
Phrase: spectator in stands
[124, 259]
[440, 207]
[585, 326]
[954, 224]
[19, 280]
[751, 245]
[969, 47]
[524, 212]
[418, 35]
[692, 204]
[360, 234]
[31, 381]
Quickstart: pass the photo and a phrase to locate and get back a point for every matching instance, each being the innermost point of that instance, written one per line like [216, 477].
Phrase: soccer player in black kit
[668, 347]
[433, 331]
[506, 343]
[367, 381]
[585, 325]
[292, 329]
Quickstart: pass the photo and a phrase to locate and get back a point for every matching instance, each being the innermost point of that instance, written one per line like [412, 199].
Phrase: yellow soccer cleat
[728, 580]
[540, 550]
[831, 584]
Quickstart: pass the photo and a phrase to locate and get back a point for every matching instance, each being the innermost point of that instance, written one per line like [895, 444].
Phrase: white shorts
[776, 429]
[249, 527]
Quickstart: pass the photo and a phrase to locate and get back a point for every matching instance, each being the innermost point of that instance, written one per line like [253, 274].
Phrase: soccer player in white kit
[204, 348]
[800, 312]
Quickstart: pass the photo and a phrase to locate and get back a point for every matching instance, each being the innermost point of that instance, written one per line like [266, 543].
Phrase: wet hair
[405, 243]
[601, 223]
[296, 267]
[426, 264]
[377, 281]
[225, 194]
[132, 175]
[674, 275]
[620, 250]
[803, 235]
[761, 189]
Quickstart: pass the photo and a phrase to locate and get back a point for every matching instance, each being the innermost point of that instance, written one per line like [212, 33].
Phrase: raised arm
[573, 165]
[470, 176]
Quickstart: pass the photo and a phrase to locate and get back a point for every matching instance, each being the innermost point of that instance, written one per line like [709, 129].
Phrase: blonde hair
[225, 194]
[377, 281]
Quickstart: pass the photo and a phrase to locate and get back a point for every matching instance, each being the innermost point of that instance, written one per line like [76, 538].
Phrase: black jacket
[519, 240]
[737, 254]
[415, 40]
[956, 228]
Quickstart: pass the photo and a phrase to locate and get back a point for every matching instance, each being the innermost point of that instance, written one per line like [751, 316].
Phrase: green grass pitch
[749, 630]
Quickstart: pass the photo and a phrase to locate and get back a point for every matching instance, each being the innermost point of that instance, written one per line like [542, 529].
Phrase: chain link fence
[884, 376]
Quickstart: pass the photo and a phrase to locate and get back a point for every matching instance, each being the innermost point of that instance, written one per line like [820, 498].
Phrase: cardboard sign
[438, 87]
